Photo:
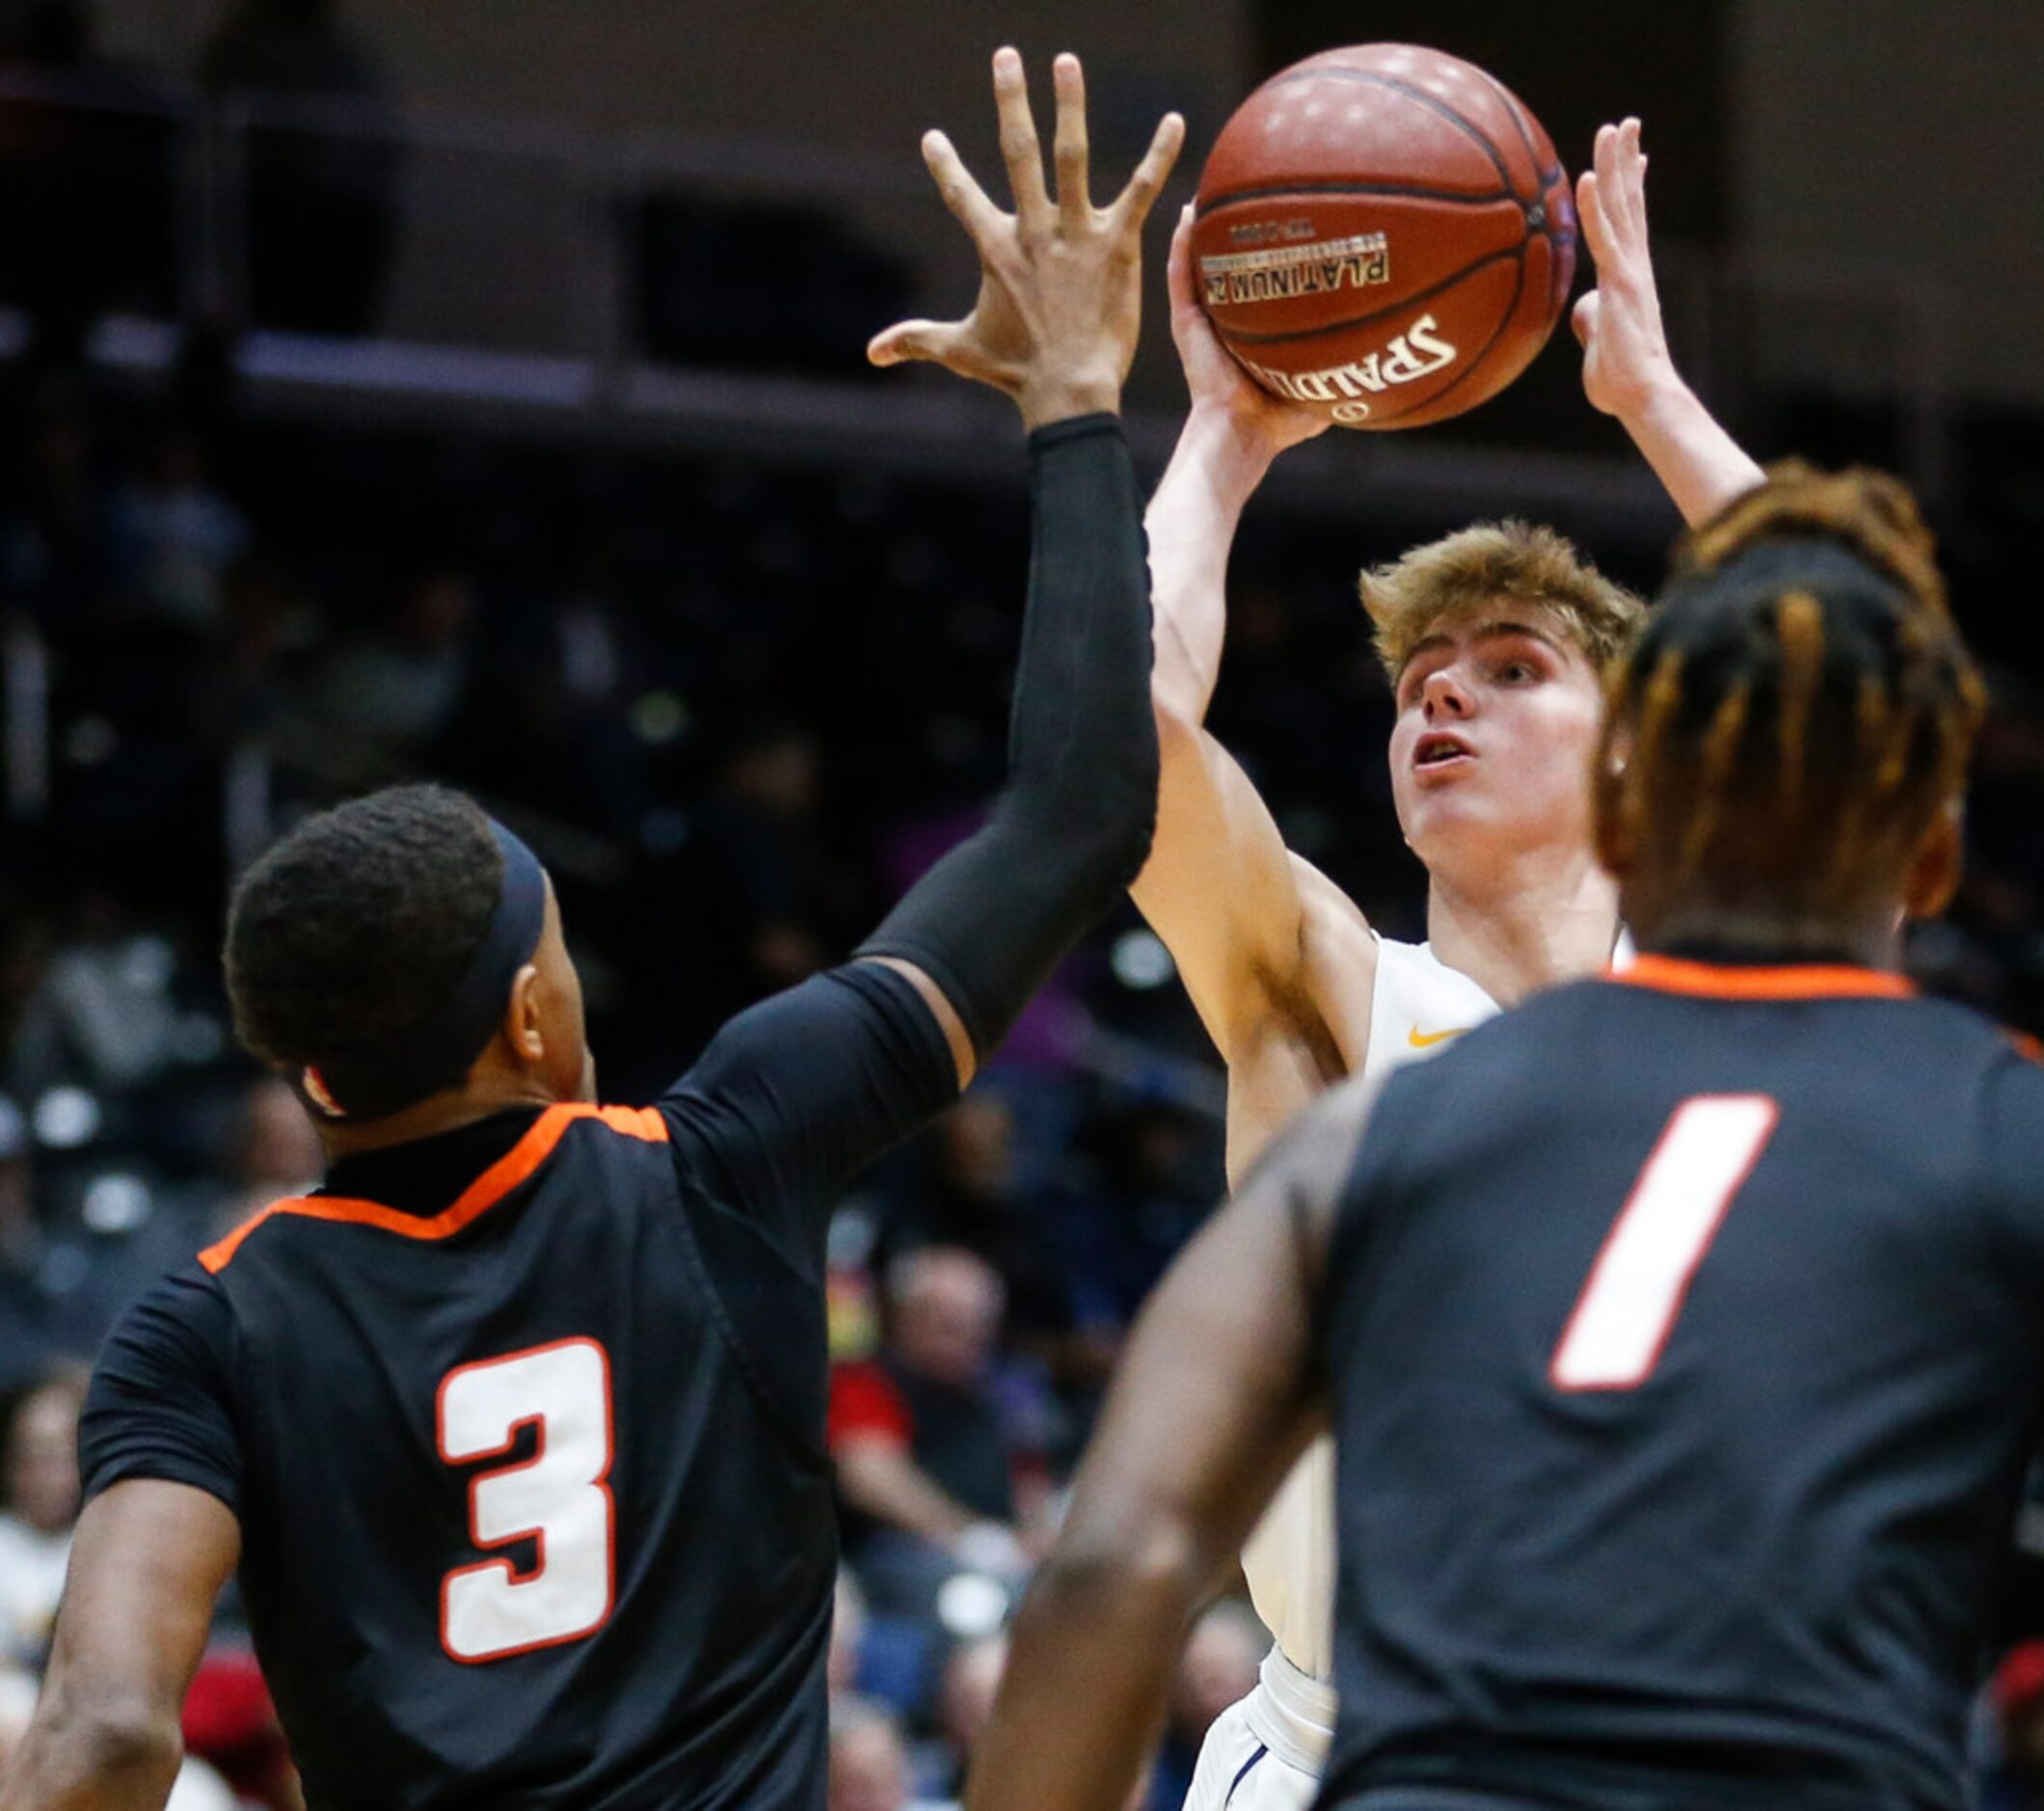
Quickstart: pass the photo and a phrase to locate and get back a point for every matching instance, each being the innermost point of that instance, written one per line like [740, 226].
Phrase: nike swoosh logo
[1427, 1039]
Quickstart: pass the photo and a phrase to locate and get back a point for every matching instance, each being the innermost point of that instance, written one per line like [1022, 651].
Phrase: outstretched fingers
[1633, 170]
[960, 190]
[1075, 202]
[1592, 213]
[1019, 147]
[1620, 180]
[1133, 205]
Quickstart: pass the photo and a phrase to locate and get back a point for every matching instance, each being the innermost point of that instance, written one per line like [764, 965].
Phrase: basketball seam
[1432, 102]
[1490, 345]
[1489, 198]
[1517, 252]
[1543, 178]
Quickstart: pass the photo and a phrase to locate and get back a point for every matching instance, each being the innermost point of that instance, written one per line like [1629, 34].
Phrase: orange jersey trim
[2027, 1046]
[503, 1176]
[1715, 980]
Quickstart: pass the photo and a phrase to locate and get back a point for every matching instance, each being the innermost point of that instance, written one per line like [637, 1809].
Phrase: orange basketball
[1384, 233]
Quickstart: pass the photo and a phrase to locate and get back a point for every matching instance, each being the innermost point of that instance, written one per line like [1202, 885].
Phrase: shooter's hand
[1625, 360]
[1626, 367]
[1060, 281]
[1218, 384]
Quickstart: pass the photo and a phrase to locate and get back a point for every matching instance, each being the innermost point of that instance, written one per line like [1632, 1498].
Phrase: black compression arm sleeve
[1072, 827]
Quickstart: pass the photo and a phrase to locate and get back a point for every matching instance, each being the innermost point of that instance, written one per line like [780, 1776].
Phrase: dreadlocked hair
[1798, 708]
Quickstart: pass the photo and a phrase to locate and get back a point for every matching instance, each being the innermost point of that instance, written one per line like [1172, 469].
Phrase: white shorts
[1264, 1753]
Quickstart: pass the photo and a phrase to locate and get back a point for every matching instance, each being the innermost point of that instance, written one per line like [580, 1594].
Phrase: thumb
[1179, 269]
[1582, 321]
[906, 340]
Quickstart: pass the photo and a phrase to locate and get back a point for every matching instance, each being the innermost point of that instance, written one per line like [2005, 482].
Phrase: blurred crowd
[738, 707]
[736, 704]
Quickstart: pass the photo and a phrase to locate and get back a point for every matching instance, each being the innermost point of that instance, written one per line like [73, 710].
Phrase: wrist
[1233, 453]
[1048, 400]
[1660, 400]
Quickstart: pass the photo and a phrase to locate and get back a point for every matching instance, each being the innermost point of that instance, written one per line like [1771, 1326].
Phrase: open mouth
[1438, 749]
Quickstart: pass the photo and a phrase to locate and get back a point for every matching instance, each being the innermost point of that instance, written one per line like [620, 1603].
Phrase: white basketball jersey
[1417, 1007]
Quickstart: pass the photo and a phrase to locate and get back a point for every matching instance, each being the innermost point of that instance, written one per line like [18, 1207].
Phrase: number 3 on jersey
[557, 1498]
[1636, 1288]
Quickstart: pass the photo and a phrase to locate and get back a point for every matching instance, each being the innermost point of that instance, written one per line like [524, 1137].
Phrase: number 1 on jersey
[1628, 1307]
[558, 1498]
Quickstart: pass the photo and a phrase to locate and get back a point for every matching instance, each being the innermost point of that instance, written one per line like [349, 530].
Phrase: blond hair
[1491, 562]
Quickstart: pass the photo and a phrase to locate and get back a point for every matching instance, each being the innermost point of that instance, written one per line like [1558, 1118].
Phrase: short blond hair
[1489, 562]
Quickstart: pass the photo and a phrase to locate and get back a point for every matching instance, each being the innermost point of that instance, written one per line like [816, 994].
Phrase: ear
[522, 1027]
[1936, 866]
[1615, 850]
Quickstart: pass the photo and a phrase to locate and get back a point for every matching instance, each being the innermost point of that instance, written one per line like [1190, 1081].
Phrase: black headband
[441, 1049]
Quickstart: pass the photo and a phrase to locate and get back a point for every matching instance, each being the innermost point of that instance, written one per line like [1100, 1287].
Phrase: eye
[1518, 673]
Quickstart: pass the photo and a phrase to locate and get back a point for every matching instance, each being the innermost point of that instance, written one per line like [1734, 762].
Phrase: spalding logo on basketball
[1385, 234]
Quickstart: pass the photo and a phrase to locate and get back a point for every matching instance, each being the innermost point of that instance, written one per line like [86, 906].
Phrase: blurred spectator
[868, 1761]
[966, 1702]
[173, 536]
[104, 1016]
[40, 1321]
[759, 874]
[2015, 1781]
[274, 1153]
[230, 1723]
[847, 1634]
[39, 1505]
[924, 1450]
[397, 687]
[1215, 1668]
[25, 1350]
[322, 190]
[967, 1195]
[53, 552]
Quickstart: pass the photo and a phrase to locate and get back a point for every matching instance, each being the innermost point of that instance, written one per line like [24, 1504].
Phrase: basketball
[1384, 233]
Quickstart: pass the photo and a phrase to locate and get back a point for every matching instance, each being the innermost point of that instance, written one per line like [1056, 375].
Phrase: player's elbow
[1118, 816]
[1096, 829]
[112, 1740]
[1133, 1569]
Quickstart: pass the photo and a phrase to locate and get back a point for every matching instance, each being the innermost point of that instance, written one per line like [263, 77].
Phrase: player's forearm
[1192, 522]
[93, 1760]
[1072, 827]
[1088, 1675]
[883, 1482]
[1699, 463]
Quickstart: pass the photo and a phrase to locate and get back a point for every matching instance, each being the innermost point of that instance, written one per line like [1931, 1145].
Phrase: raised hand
[1059, 298]
[1626, 358]
[1216, 381]
[1628, 371]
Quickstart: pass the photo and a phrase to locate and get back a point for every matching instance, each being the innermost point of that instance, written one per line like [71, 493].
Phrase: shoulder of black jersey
[517, 1166]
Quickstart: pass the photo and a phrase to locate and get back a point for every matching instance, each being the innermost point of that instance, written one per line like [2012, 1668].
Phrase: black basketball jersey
[523, 1426]
[1686, 1347]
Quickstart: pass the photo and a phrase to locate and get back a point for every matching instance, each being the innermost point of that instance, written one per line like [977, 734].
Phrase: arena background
[473, 388]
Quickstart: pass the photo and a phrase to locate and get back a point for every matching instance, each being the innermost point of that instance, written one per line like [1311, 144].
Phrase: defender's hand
[1218, 384]
[1060, 281]
[1625, 359]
